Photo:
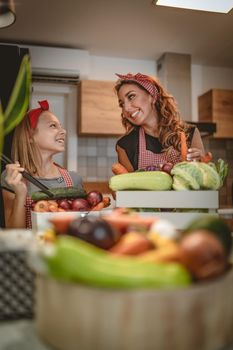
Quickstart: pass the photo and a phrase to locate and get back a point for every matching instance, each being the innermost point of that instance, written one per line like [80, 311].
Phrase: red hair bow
[34, 114]
[145, 81]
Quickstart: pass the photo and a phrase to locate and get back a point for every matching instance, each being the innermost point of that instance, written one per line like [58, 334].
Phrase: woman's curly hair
[170, 124]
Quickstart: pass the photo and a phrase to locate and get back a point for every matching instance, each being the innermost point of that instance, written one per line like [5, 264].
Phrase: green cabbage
[198, 175]
[180, 184]
[211, 179]
[191, 176]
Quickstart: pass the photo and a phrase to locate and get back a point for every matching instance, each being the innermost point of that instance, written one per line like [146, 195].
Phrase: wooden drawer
[99, 110]
[216, 106]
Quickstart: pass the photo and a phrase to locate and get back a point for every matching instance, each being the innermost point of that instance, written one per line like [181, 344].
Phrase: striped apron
[148, 158]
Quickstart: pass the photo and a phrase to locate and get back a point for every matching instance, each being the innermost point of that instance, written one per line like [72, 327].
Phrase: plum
[93, 230]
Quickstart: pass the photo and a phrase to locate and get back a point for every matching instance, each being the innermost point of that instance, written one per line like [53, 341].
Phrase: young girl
[36, 140]
[153, 126]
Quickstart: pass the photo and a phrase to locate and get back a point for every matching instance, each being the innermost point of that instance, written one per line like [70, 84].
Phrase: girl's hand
[15, 179]
[194, 154]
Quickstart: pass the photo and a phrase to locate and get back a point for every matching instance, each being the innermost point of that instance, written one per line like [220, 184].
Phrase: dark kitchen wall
[223, 148]
[10, 59]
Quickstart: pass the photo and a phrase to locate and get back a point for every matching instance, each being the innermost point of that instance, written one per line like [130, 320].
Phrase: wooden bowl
[71, 316]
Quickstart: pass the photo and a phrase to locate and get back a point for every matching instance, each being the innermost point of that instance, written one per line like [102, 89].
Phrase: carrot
[207, 157]
[118, 168]
[98, 206]
[132, 243]
[183, 146]
[107, 201]
[121, 222]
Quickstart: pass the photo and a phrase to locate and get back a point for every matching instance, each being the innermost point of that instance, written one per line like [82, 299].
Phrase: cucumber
[78, 261]
[142, 180]
[60, 192]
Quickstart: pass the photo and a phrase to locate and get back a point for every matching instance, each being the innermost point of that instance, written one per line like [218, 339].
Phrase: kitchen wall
[96, 154]
[223, 148]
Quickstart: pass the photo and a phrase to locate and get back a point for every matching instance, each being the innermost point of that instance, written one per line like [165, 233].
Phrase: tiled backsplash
[95, 157]
[97, 154]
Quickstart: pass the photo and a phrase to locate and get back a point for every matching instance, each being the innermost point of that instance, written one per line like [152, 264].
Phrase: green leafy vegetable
[199, 175]
[19, 99]
[18, 103]
[222, 169]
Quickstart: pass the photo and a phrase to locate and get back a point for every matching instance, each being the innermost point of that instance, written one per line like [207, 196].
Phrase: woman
[36, 140]
[153, 125]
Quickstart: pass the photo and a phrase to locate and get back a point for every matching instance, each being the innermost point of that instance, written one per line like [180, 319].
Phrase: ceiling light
[223, 6]
[7, 13]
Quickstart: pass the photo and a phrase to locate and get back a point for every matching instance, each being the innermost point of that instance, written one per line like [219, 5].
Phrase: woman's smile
[135, 114]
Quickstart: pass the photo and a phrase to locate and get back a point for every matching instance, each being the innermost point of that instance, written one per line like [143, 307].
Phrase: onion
[203, 254]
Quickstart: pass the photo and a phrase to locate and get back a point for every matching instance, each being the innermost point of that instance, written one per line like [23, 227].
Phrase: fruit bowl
[72, 316]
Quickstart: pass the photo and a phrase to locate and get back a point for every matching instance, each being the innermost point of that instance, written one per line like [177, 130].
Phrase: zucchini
[78, 261]
[60, 192]
[143, 180]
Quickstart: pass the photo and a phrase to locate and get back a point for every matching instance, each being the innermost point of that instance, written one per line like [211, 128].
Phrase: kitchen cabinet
[216, 106]
[99, 113]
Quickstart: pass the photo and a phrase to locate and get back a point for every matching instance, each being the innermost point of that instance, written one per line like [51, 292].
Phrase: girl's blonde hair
[169, 122]
[24, 149]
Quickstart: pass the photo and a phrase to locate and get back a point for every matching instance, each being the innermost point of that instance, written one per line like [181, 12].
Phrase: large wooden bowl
[71, 316]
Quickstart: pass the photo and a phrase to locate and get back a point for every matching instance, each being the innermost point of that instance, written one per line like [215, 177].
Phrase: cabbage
[196, 175]
[180, 184]
[189, 169]
[211, 179]
[188, 181]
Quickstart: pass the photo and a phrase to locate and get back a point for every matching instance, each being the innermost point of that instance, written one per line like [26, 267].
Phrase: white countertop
[21, 335]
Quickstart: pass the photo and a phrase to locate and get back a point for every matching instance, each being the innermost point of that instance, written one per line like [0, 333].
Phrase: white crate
[168, 199]
[41, 221]
[191, 200]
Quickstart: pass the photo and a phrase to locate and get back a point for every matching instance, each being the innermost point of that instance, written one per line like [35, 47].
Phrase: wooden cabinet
[99, 110]
[216, 106]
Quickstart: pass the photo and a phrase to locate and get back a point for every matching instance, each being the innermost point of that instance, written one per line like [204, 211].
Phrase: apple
[94, 197]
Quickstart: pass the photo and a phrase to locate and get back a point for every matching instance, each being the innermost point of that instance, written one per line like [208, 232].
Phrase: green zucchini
[143, 180]
[78, 261]
[60, 192]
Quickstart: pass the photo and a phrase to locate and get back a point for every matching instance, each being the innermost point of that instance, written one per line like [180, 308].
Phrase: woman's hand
[15, 179]
[194, 154]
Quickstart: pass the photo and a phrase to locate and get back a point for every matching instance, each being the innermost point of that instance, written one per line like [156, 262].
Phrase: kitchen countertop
[21, 335]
